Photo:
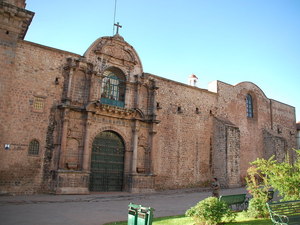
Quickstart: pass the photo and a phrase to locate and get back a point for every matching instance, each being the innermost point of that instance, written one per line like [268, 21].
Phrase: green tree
[283, 177]
[258, 186]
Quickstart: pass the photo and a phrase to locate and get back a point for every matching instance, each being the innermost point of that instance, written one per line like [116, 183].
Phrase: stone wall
[298, 135]
[274, 146]
[284, 125]
[268, 115]
[226, 153]
[233, 157]
[182, 149]
[31, 96]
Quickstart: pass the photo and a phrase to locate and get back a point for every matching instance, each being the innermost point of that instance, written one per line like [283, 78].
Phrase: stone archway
[107, 162]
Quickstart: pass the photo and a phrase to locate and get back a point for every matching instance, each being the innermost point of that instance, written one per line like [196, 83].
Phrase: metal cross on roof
[118, 26]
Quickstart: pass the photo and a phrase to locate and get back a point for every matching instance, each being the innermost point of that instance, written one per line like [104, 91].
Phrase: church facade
[75, 124]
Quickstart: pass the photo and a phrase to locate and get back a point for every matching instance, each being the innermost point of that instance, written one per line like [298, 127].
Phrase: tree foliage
[282, 177]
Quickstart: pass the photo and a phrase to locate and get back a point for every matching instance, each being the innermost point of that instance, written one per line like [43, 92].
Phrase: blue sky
[227, 40]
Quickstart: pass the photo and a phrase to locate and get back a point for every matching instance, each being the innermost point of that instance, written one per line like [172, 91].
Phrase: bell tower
[14, 20]
[18, 3]
[192, 80]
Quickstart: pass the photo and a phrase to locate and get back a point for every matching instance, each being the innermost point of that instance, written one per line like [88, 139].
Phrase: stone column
[70, 84]
[99, 79]
[153, 98]
[86, 149]
[152, 146]
[64, 137]
[92, 96]
[137, 92]
[135, 131]
[152, 131]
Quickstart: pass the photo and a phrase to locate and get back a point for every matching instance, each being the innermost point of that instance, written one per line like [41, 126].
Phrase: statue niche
[72, 156]
[142, 153]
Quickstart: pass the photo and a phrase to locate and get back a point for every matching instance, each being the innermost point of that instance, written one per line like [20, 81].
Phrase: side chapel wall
[283, 130]
[255, 132]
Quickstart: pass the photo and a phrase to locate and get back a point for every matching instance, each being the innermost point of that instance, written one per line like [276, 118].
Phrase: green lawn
[182, 220]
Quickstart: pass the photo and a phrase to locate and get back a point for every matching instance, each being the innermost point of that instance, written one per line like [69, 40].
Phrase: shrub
[210, 211]
[258, 208]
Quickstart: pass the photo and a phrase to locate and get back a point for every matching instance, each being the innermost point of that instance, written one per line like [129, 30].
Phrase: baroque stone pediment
[115, 49]
[113, 52]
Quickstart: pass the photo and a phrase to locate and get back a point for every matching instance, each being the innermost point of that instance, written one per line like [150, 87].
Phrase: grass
[183, 220]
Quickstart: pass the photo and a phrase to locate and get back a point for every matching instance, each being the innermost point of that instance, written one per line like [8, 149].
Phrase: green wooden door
[107, 162]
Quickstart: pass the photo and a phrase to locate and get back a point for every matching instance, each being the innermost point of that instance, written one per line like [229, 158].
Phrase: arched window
[113, 88]
[249, 106]
[34, 147]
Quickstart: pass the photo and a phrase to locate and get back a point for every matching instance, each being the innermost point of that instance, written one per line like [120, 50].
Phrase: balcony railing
[108, 101]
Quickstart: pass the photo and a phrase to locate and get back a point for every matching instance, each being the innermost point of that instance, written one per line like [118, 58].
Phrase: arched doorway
[107, 162]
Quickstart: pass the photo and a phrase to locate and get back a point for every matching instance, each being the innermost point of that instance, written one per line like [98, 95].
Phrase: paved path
[95, 209]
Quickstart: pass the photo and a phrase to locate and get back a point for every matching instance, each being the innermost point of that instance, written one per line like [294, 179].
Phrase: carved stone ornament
[116, 50]
[119, 53]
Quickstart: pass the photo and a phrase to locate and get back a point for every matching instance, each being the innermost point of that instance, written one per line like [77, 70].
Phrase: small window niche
[38, 104]
[279, 129]
[249, 106]
[179, 109]
[34, 148]
[158, 106]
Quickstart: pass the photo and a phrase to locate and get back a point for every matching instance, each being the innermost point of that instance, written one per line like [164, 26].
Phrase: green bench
[285, 213]
[239, 201]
